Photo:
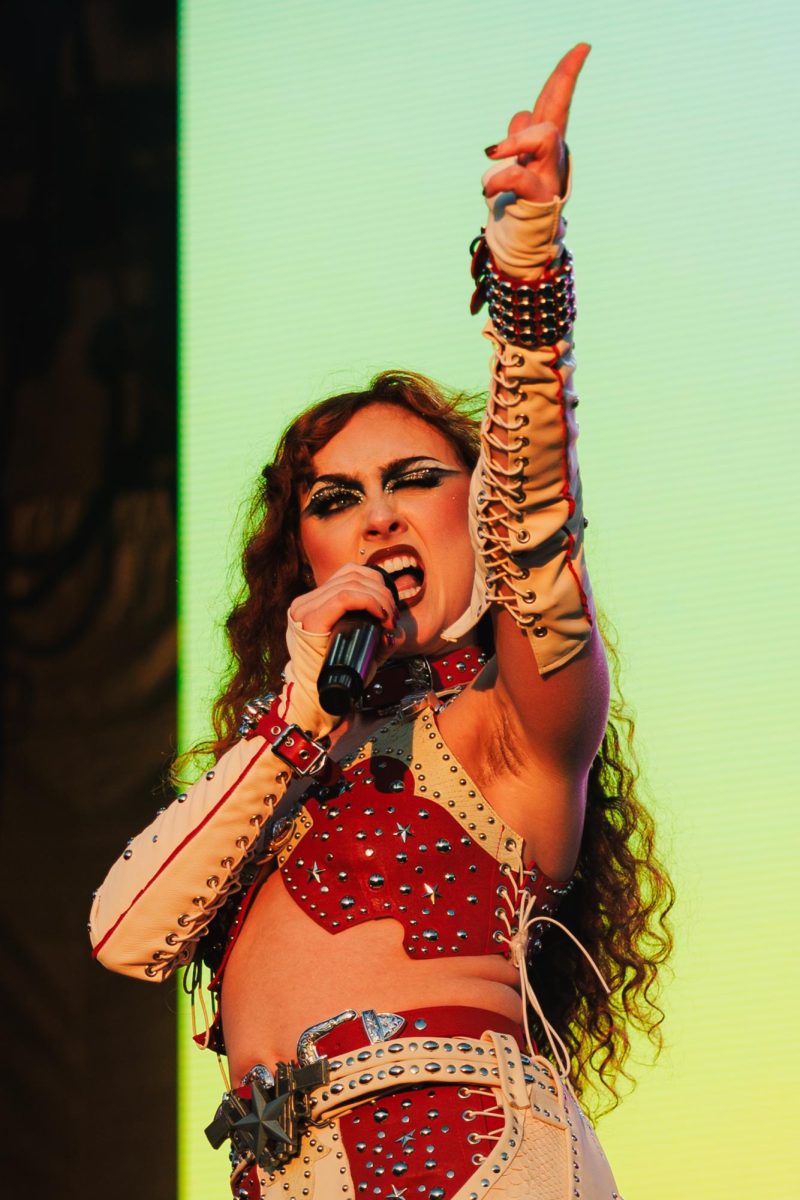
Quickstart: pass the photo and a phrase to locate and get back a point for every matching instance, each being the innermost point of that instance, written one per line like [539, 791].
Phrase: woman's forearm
[526, 512]
[164, 889]
[529, 514]
[161, 894]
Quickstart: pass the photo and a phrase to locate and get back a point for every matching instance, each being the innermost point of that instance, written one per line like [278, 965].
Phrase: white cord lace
[196, 990]
[504, 485]
[526, 919]
[502, 497]
[471, 1114]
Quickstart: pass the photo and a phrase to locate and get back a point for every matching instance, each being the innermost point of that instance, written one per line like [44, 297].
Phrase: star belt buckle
[269, 1128]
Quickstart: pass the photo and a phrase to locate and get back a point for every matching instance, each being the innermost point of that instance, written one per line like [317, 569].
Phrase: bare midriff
[286, 973]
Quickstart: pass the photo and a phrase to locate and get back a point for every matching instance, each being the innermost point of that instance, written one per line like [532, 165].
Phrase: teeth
[407, 593]
[399, 561]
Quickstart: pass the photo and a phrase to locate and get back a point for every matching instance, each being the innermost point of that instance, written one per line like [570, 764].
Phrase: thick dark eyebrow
[344, 480]
[390, 471]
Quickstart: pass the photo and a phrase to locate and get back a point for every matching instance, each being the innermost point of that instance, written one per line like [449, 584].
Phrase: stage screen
[330, 165]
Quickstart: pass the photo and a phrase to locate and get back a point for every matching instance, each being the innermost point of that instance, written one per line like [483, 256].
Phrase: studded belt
[288, 1144]
[491, 1062]
[268, 1118]
[528, 1093]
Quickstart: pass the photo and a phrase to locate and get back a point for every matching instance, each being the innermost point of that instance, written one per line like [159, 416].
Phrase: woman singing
[429, 922]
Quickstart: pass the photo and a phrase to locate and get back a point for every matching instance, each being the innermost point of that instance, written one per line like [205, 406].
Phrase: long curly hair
[621, 896]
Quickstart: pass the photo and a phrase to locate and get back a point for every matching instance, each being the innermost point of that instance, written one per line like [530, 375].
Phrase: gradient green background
[330, 163]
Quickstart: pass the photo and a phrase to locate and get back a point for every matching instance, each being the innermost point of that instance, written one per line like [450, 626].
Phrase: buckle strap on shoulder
[298, 750]
[288, 742]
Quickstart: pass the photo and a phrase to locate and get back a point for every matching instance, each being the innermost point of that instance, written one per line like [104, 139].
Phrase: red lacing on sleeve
[565, 489]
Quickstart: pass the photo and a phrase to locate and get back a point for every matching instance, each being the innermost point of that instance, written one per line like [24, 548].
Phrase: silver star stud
[432, 893]
[397, 1193]
[406, 1138]
[403, 832]
[314, 872]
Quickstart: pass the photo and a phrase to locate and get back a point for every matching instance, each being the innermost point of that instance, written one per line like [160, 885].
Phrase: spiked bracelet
[524, 312]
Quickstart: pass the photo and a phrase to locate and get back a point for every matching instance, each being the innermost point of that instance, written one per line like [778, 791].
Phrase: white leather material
[526, 511]
[529, 504]
[546, 1150]
[301, 700]
[522, 235]
[162, 892]
[589, 1163]
[321, 1174]
[526, 516]
[509, 1064]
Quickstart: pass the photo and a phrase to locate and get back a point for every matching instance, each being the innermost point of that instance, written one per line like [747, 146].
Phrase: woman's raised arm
[551, 683]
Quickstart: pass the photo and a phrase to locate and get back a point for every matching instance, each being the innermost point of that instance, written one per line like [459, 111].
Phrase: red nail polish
[491, 149]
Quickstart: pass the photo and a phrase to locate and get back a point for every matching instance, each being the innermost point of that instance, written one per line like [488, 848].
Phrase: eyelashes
[330, 500]
[337, 497]
[425, 477]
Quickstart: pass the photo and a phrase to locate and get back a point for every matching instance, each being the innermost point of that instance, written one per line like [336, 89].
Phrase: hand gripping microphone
[355, 639]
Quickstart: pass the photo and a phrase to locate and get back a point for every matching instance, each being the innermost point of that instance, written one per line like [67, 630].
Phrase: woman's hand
[536, 139]
[352, 588]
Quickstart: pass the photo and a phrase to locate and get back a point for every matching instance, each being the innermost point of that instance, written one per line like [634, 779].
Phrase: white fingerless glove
[300, 699]
[522, 235]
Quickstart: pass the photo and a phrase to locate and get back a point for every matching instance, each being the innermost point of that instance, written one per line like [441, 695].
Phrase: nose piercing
[362, 552]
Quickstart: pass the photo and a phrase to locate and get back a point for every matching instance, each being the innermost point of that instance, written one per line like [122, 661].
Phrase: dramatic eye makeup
[333, 498]
[335, 493]
[427, 477]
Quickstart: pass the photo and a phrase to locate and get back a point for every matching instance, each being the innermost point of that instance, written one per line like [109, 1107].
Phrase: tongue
[405, 580]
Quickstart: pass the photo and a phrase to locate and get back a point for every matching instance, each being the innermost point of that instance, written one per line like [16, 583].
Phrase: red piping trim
[286, 703]
[212, 812]
[546, 274]
[565, 490]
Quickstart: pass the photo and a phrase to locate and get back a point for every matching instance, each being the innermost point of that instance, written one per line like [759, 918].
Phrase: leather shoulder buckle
[300, 752]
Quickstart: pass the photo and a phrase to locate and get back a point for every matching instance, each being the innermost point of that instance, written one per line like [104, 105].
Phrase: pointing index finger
[556, 95]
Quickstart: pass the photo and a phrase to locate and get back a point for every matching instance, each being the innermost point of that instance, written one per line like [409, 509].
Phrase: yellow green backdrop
[330, 163]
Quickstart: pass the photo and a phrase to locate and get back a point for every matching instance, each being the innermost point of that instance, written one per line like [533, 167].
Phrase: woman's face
[392, 486]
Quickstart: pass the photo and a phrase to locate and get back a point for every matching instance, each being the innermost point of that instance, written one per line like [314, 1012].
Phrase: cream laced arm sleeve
[526, 514]
[162, 892]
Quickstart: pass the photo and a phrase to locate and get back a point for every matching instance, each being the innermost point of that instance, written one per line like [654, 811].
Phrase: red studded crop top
[405, 834]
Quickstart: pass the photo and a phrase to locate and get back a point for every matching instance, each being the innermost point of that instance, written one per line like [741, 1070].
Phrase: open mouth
[406, 569]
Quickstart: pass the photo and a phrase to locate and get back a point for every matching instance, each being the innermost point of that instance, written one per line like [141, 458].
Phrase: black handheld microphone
[355, 639]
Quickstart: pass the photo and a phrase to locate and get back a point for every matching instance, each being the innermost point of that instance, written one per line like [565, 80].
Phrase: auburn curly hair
[621, 896]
